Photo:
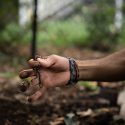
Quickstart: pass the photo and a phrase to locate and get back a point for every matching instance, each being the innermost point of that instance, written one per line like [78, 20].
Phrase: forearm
[110, 68]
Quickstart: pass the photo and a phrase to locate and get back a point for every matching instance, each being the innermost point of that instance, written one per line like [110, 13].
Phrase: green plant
[9, 37]
[100, 18]
[92, 86]
[63, 33]
[12, 37]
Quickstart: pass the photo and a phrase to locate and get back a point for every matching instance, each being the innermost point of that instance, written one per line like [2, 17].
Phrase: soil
[63, 106]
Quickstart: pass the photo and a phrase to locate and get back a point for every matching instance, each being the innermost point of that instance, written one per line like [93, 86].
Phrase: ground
[66, 106]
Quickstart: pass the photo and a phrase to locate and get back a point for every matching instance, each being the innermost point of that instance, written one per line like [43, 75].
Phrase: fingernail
[38, 59]
[31, 59]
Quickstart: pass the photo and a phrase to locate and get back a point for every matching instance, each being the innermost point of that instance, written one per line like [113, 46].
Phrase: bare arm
[109, 68]
[54, 71]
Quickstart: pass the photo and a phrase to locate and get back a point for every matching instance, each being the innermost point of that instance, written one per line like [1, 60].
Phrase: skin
[109, 68]
[54, 71]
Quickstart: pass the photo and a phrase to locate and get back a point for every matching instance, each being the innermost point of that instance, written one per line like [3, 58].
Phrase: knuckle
[53, 55]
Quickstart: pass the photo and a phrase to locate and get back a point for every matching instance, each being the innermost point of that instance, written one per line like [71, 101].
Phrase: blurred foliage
[7, 74]
[8, 12]
[59, 33]
[100, 18]
[92, 86]
[63, 33]
[91, 25]
[10, 38]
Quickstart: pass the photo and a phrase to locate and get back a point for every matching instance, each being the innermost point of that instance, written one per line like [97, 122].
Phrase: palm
[54, 78]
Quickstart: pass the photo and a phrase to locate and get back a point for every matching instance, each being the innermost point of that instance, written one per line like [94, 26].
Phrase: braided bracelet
[74, 73]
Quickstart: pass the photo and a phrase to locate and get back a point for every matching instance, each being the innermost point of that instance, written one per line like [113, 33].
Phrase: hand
[54, 72]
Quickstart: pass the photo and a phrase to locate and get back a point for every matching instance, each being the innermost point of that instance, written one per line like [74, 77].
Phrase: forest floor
[76, 105]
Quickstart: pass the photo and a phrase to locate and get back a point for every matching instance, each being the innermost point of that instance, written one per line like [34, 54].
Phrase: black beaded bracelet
[74, 74]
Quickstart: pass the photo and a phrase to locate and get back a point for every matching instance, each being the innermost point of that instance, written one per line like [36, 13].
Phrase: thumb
[46, 62]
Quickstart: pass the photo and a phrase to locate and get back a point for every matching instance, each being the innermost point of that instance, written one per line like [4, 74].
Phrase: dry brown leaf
[57, 121]
[87, 113]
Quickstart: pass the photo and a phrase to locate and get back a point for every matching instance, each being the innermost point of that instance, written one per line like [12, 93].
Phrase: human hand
[53, 70]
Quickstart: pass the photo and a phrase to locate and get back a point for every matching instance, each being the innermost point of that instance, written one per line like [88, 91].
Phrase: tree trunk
[118, 14]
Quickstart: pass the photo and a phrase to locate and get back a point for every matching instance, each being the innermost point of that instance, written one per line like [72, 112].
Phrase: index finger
[26, 73]
[33, 63]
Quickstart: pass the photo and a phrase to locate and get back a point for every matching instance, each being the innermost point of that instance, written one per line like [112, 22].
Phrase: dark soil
[66, 106]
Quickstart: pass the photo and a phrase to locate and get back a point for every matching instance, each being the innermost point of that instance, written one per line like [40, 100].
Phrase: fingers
[26, 73]
[47, 62]
[27, 83]
[36, 96]
[33, 63]
[29, 87]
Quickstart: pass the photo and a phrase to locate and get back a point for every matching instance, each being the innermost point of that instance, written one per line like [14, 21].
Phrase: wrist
[88, 69]
[74, 72]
